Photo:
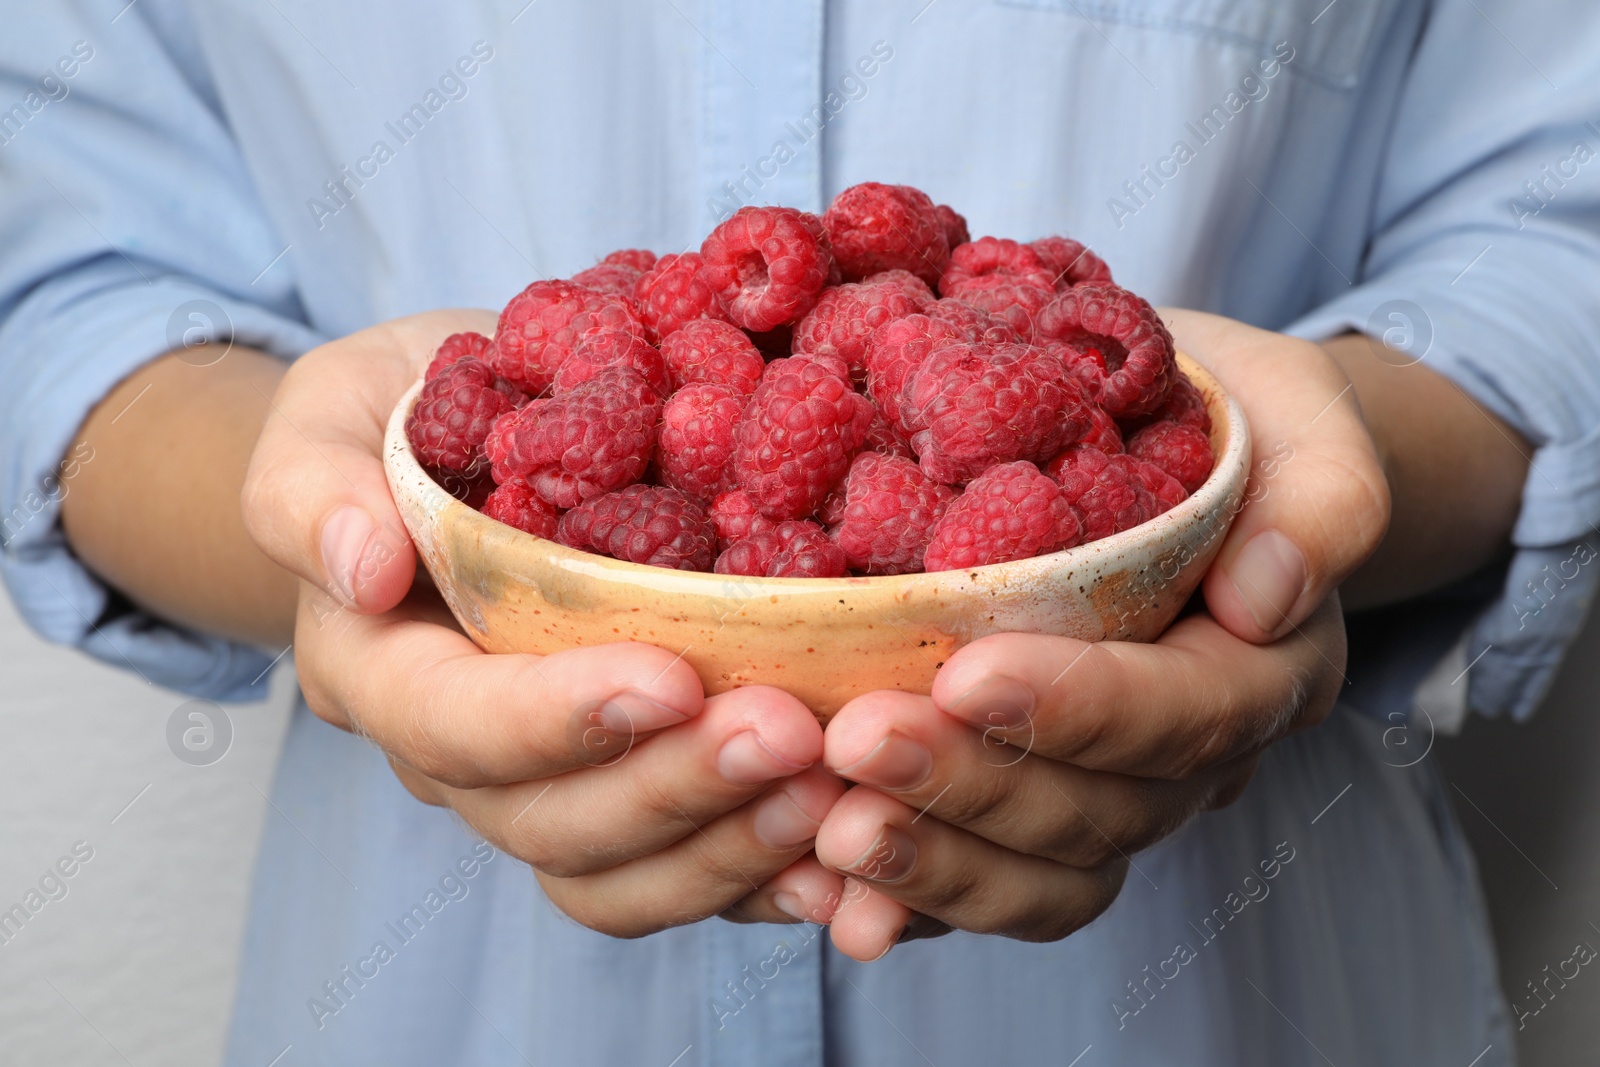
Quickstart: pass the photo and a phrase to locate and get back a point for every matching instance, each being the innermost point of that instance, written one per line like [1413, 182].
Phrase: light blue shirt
[287, 172]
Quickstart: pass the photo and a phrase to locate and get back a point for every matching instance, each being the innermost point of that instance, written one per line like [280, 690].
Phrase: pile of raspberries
[868, 392]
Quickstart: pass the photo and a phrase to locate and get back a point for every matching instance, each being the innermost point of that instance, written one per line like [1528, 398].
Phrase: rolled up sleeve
[130, 227]
[1484, 264]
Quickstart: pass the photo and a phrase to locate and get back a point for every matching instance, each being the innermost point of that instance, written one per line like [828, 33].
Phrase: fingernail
[779, 823]
[746, 759]
[791, 905]
[629, 714]
[890, 858]
[1269, 574]
[897, 762]
[344, 541]
[996, 701]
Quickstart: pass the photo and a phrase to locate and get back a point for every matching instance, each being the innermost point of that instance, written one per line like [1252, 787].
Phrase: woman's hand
[1010, 800]
[640, 803]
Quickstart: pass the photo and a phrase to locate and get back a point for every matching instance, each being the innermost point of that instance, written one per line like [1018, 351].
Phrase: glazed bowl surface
[826, 640]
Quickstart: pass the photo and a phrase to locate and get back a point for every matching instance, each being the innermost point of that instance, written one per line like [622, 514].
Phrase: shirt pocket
[1330, 39]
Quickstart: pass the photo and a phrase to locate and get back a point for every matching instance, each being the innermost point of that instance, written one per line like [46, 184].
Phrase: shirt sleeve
[1484, 264]
[130, 228]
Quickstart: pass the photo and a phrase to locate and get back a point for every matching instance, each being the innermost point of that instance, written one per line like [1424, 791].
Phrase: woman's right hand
[640, 803]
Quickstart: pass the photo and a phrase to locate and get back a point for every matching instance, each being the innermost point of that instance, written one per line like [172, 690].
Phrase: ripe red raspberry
[1107, 493]
[878, 227]
[455, 347]
[640, 259]
[979, 324]
[1016, 302]
[1088, 365]
[955, 226]
[991, 256]
[890, 509]
[1070, 262]
[673, 292]
[844, 318]
[517, 505]
[572, 447]
[1126, 331]
[1182, 451]
[793, 549]
[697, 438]
[1184, 404]
[1010, 511]
[797, 436]
[735, 516]
[885, 440]
[900, 346]
[1163, 486]
[643, 524]
[707, 350]
[972, 405]
[1104, 433]
[611, 348]
[617, 279]
[451, 419]
[767, 265]
[541, 326]
[909, 283]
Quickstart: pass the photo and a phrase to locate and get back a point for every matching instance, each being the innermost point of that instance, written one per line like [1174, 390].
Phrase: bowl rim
[1226, 479]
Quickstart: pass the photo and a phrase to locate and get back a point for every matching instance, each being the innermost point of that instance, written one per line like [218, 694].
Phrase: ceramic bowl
[826, 640]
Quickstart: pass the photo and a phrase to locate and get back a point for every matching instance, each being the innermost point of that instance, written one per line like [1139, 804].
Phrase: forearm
[1455, 475]
[157, 514]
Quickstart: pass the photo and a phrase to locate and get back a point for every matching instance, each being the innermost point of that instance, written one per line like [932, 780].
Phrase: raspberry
[1184, 404]
[697, 438]
[451, 419]
[1016, 302]
[581, 444]
[1086, 365]
[643, 524]
[843, 319]
[455, 347]
[1070, 262]
[885, 440]
[972, 405]
[672, 293]
[876, 227]
[600, 349]
[909, 283]
[706, 350]
[796, 437]
[793, 549]
[735, 516]
[640, 259]
[955, 226]
[890, 508]
[616, 279]
[1182, 451]
[1107, 493]
[1163, 486]
[1137, 349]
[541, 326]
[516, 505]
[1010, 511]
[767, 265]
[989, 256]
[1104, 433]
[900, 346]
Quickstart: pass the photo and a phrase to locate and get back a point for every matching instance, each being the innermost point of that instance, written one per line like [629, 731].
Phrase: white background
[136, 964]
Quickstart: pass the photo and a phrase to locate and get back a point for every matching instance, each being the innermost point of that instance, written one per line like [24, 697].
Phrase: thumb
[316, 499]
[1317, 502]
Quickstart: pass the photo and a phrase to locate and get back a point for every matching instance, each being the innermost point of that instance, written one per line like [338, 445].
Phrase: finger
[957, 877]
[315, 497]
[867, 923]
[707, 871]
[804, 891]
[641, 801]
[430, 697]
[944, 769]
[1317, 504]
[1195, 698]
